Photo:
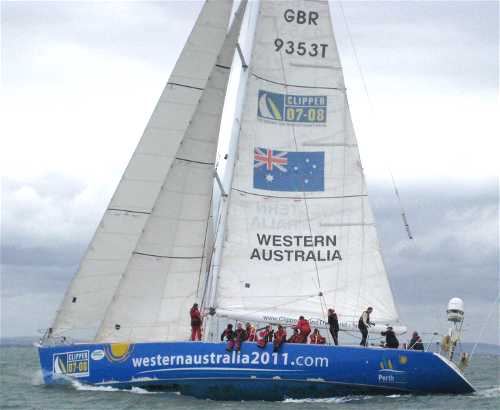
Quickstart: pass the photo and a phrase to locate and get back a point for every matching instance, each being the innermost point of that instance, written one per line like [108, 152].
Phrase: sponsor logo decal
[224, 360]
[118, 352]
[97, 354]
[392, 377]
[288, 171]
[74, 364]
[298, 109]
[388, 374]
[403, 359]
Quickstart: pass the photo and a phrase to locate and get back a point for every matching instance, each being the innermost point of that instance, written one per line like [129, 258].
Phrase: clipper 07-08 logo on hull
[298, 109]
[74, 364]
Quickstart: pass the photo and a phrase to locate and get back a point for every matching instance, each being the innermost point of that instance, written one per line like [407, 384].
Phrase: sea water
[21, 387]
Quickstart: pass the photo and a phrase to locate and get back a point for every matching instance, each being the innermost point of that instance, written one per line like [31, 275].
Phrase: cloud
[455, 252]
[50, 211]
[450, 43]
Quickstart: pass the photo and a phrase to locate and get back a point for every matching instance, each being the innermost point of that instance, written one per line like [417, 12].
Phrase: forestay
[300, 234]
[166, 273]
[136, 203]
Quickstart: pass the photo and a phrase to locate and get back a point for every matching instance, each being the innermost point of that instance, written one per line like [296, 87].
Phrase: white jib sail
[117, 236]
[300, 235]
[168, 266]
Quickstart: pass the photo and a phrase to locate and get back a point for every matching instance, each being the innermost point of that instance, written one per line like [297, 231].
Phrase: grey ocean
[21, 388]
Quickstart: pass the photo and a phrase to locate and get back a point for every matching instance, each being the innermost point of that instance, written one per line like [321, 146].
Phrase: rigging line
[277, 296]
[186, 85]
[372, 109]
[374, 119]
[295, 85]
[337, 276]
[193, 161]
[208, 285]
[483, 328]
[363, 244]
[165, 256]
[318, 278]
[401, 208]
[129, 211]
[205, 250]
[297, 197]
[221, 218]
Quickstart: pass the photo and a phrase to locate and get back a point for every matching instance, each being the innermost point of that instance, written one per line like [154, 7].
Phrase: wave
[87, 387]
[490, 393]
[37, 378]
[340, 400]
[337, 400]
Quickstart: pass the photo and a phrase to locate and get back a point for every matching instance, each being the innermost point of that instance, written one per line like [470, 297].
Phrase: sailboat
[292, 236]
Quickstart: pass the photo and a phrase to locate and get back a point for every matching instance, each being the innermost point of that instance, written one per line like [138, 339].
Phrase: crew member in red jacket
[316, 338]
[251, 332]
[279, 338]
[240, 335]
[229, 334]
[196, 322]
[265, 336]
[304, 328]
[295, 338]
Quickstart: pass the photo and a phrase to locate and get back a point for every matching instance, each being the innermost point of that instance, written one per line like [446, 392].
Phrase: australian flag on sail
[289, 170]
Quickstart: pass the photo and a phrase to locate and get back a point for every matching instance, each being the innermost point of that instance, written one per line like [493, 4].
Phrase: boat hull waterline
[207, 370]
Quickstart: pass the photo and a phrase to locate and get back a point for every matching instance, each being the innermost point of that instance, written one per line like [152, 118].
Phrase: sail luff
[117, 235]
[163, 277]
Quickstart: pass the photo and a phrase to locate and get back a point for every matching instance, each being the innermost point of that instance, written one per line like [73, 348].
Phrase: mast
[117, 236]
[208, 305]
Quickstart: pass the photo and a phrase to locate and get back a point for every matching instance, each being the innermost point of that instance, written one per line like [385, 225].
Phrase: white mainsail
[136, 201]
[300, 235]
[166, 273]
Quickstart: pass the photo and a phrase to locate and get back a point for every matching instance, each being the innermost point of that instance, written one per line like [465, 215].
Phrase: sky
[80, 79]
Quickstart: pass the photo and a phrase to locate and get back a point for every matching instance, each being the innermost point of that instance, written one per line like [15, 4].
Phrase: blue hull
[206, 370]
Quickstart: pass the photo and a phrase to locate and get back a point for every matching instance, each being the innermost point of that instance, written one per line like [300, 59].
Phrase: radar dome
[455, 310]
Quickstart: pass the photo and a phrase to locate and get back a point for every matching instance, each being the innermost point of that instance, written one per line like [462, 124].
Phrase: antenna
[455, 314]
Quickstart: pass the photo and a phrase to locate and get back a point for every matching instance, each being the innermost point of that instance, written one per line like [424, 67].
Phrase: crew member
[196, 322]
[265, 336]
[279, 338]
[363, 324]
[240, 335]
[416, 342]
[251, 332]
[229, 335]
[316, 338]
[304, 328]
[333, 323]
[295, 338]
[391, 341]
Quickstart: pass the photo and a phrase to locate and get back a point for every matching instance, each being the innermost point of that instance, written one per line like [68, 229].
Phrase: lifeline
[295, 255]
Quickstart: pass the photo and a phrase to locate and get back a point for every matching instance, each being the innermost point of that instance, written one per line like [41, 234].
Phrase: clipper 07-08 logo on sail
[305, 109]
[288, 171]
